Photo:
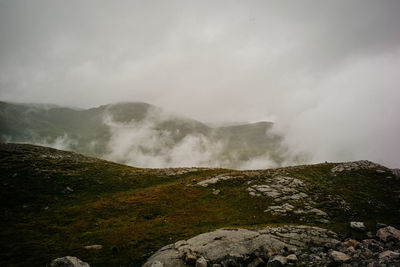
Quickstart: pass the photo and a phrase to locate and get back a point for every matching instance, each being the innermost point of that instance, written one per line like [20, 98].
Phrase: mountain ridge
[156, 137]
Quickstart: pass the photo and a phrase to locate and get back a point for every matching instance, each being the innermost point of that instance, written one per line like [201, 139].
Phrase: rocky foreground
[280, 246]
[273, 246]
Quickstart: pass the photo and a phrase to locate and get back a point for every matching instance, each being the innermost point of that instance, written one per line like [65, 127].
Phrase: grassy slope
[133, 212]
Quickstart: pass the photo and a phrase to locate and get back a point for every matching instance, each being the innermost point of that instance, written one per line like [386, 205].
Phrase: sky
[327, 73]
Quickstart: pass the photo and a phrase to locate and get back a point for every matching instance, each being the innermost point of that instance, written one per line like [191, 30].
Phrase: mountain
[144, 135]
[56, 203]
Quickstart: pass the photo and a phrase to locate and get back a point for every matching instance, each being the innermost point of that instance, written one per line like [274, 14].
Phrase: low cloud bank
[143, 144]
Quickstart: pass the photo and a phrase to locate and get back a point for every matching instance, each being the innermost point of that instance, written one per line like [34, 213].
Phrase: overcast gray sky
[328, 73]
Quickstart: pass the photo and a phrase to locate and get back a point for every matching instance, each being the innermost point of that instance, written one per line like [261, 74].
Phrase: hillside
[139, 134]
[54, 203]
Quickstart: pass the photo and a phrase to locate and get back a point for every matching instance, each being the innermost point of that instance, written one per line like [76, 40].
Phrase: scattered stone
[358, 226]
[339, 257]
[277, 261]
[216, 192]
[292, 258]
[351, 243]
[318, 212]
[281, 210]
[389, 253]
[201, 262]
[351, 249]
[93, 247]
[68, 261]
[388, 233]
[69, 189]
[214, 180]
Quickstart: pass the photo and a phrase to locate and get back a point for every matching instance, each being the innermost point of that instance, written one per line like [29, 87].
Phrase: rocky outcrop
[241, 246]
[289, 196]
[279, 246]
[396, 172]
[217, 179]
[68, 261]
[357, 165]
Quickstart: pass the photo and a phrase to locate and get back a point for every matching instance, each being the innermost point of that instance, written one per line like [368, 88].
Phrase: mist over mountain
[143, 135]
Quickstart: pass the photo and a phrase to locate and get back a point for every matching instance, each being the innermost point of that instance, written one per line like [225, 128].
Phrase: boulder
[68, 261]
[201, 262]
[339, 257]
[234, 247]
[388, 233]
[358, 226]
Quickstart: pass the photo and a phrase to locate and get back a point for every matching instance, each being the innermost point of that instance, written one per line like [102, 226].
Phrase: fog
[327, 74]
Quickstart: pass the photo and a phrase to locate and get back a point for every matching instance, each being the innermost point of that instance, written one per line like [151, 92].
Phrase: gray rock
[201, 262]
[358, 226]
[388, 233]
[351, 243]
[277, 261]
[226, 246]
[69, 189]
[356, 165]
[390, 254]
[93, 247]
[214, 180]
[216, 192]
[339, 257]
[318, 212]
[292, 258]
[68, 261]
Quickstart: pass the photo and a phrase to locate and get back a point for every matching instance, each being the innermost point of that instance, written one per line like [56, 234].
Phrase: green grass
[134, 212]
